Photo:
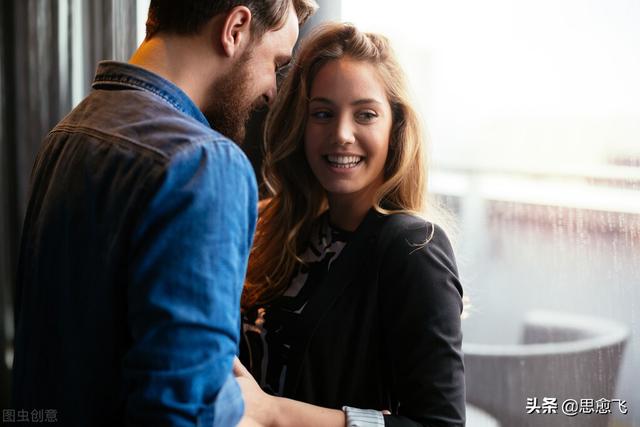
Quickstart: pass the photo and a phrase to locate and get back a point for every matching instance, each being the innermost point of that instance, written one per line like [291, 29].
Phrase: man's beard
[231, 102]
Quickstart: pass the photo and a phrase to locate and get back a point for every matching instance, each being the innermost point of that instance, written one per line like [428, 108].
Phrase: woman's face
[347, 134]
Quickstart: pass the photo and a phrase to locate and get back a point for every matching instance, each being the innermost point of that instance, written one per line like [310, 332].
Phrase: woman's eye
[367, 116]
[321, 115]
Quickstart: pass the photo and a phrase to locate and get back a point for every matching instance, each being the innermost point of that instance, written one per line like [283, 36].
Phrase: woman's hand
[259, 407]
[264, 410]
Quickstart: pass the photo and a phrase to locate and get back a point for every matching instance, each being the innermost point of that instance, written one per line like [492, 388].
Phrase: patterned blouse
[265, 336]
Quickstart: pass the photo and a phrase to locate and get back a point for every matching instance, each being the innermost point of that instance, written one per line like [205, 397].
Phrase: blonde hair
[297, 198]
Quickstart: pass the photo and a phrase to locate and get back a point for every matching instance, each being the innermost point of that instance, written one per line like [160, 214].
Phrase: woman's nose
[344, 132]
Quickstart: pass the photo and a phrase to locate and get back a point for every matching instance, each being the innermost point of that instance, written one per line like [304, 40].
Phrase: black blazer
[382, 330]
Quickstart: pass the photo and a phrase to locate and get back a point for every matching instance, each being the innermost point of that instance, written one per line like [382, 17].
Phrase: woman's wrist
[277, 416]
[285, 412]
[273, 412]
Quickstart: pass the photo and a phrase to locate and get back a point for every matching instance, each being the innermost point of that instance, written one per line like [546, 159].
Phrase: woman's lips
[343, 161]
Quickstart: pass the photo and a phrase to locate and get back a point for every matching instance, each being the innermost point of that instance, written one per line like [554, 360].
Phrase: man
[140, 222]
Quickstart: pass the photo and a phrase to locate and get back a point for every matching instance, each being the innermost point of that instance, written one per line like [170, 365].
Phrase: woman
[352, 300]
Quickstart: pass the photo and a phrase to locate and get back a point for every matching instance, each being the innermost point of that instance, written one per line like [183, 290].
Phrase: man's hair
[189, 16]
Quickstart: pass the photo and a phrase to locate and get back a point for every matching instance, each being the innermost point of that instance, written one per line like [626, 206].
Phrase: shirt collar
[114, 74]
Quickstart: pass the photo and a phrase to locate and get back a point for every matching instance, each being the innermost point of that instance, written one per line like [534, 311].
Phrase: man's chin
[239, 135]
[230, 125]
[233, 125]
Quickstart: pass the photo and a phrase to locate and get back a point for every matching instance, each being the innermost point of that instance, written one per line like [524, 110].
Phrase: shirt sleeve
[422, 304]
[186, 270]
[357, 417]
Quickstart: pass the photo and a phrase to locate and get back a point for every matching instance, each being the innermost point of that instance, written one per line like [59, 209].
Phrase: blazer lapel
[343, 271]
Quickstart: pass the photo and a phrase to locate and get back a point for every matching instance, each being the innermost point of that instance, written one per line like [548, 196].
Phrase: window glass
[142, 7]
[533, 113]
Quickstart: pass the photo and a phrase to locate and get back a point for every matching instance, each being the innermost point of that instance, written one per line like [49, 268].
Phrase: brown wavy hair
[295, 197]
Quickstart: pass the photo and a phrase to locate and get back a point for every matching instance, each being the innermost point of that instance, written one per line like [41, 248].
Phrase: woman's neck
[346, 211]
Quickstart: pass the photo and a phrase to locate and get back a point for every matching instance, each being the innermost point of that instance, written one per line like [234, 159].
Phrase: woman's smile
[347, 130]
[343, 162]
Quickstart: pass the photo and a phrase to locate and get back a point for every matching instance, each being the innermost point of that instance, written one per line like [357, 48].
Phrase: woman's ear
[236, 31]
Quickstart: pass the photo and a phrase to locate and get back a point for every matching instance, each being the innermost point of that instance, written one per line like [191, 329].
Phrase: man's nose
[270, 96]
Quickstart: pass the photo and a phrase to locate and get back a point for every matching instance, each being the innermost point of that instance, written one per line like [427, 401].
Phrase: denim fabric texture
[133, 255]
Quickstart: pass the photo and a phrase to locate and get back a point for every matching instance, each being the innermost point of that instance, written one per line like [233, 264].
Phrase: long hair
[296, 197]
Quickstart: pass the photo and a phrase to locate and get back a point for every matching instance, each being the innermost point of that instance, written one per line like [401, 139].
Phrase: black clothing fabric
[379, 329]
[268, 337]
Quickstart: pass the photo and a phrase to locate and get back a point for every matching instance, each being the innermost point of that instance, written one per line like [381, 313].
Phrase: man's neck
[178, 60]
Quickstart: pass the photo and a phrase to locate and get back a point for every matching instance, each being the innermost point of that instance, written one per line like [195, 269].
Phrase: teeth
[344, 160]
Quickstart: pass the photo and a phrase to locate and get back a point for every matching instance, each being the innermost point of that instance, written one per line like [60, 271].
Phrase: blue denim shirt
[132, 260]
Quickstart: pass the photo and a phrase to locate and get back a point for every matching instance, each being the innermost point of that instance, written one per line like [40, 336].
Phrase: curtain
[48, 53]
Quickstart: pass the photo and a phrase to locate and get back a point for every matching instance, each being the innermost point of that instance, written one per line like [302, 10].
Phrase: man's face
[252, 82]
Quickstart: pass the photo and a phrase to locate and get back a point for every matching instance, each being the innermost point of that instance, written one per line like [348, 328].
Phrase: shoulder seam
[112, 79]
[63, 128]
[408, 223]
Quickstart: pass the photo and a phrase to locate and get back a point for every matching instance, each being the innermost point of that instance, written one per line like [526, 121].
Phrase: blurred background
[532, 110]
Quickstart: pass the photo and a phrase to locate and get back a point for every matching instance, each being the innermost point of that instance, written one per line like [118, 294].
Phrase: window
[533, 112]
[142, 7]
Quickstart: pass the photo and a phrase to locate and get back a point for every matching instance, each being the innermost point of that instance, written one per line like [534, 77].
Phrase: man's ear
[236, 30]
